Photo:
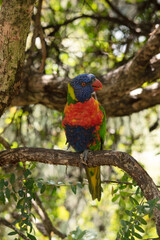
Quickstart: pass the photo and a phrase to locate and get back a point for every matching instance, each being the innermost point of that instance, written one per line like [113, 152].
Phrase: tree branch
[117, 84]
[4, 143]
[139, 99]
[134, 73]
[100, 17]
[45, 219]
[8, 224]
[51, 92]
[116, 10]
[115, 158]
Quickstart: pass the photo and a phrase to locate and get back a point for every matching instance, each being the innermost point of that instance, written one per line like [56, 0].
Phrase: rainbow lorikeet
[84, 123]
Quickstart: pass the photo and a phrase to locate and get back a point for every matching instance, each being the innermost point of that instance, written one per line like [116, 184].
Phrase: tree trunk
[15, 19]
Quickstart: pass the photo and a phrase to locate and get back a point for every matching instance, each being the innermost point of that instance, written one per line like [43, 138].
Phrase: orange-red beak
[97, 85]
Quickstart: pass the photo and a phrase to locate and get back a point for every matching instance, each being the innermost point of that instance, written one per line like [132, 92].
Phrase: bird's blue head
[84, 85]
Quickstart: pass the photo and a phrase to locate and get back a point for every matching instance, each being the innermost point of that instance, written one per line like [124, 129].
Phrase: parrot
[84, 122]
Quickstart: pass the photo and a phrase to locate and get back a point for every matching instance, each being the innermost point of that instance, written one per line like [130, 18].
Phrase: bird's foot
[68, 146]
[83, 157]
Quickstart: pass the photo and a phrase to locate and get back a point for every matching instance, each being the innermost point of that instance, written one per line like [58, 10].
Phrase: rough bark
[136, 101]
[116, 96]
[15, 19]
[115, 158]
[51, 92]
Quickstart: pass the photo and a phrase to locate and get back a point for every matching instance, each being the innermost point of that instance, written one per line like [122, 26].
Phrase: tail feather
[94, 179]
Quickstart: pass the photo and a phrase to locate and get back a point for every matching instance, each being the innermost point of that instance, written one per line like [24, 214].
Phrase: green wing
[102, 131]
[93, 174]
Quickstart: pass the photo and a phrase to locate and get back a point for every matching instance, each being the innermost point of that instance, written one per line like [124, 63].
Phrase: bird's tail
[94, 179]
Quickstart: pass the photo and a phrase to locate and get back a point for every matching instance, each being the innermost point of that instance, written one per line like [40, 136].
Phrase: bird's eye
[83, 84]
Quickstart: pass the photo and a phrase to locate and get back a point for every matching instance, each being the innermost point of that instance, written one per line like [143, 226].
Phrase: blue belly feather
[79, 137]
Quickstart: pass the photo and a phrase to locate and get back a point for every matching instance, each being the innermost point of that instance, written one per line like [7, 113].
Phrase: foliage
[81, 36]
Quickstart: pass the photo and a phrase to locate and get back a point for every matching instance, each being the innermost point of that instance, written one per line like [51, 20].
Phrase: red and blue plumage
[84, 123]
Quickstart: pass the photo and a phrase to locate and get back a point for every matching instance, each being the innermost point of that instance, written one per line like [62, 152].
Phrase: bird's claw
[83, 157]
[68, 146]
[83, 163]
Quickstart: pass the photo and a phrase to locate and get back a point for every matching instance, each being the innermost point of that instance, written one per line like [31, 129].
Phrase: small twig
[8, 224]
[44, 50]
[116, 10]
[45, 218]
[118, 182]
[4, 143]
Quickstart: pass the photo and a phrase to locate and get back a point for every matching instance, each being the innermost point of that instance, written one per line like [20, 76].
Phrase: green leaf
[78, 234]
[139, 228]
[115, 198]
[12, 178]
[21, 193]
[43, 188]
[74, 188]
[81, 235]
[40, 184]
[28, 223]
[54, 190]
[137, 235]
[6, 183]
[142, 220]
[134, 201]
[19, 204]
[14, 196]
[26, 173]
[31, 236]
[29, 183]
[12, 233]
[152, 202]
[1, 184]
[2, 197]
[138, 190]
[7, 192]
[14, 190]
[122, 203]
[127, 234]
[124, 194]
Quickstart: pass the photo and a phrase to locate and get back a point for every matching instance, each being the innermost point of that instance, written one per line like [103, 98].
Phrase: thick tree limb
[133, 74]
[117, 85]
[118, 159]
[15, 18]
[52, 92]
[136, 101]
